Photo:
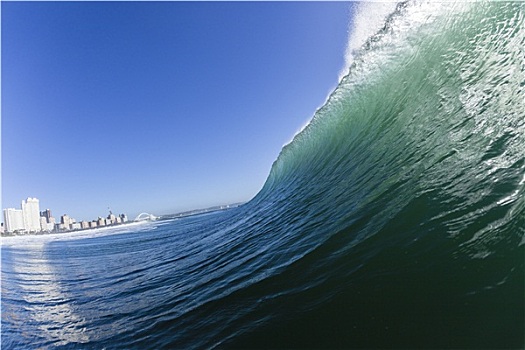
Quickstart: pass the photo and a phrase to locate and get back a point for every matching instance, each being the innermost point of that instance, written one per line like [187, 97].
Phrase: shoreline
[51, 233]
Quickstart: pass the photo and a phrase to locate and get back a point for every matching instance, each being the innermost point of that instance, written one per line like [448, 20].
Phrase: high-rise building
[46, 214]
[14, 220]
[31, 214]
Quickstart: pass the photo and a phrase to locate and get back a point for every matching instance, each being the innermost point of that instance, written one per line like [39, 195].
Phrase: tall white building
[44, 225]
[14, 220]
[31, 210]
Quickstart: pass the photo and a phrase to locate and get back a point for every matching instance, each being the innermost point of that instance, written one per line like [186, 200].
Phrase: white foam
[32, 240]
[368, 19]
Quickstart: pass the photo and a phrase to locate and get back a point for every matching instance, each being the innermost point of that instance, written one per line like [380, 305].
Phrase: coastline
[74, 233]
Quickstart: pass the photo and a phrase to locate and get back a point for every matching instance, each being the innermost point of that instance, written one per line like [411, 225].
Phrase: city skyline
[160, 107]
[29, 219]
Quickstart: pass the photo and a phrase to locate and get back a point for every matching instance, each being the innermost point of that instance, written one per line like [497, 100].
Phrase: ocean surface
[395, 219]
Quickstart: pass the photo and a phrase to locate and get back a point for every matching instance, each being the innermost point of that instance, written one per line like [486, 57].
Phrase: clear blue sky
[158, 107]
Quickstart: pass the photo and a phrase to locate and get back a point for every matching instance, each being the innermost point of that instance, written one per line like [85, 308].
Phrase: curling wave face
[413, 172]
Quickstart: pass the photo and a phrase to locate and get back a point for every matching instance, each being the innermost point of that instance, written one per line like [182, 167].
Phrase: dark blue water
[395, 219]
[216, 281]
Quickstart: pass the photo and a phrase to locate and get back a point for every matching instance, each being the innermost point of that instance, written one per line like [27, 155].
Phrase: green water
[415, 171]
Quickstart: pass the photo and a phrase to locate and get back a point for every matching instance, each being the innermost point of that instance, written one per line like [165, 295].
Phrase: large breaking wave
[406, 190]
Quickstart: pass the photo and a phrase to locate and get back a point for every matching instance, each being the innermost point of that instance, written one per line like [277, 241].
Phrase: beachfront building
[65, 220]
[31, 214]
[111, 218]
[101, 222]
[75, 226]
[14, 220]
[43, 223]
[47, 226]
[47, 221]
[46, 214]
